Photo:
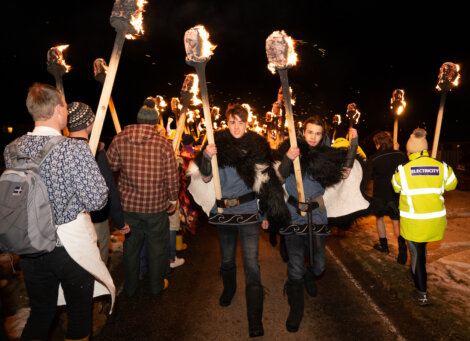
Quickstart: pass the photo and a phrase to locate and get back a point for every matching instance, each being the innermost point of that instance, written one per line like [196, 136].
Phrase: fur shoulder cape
[251, 156]
[324, 164]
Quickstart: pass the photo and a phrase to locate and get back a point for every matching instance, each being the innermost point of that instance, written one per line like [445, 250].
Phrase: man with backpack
[75, 186]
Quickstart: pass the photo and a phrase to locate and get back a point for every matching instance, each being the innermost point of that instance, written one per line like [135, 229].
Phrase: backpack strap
[48, 148]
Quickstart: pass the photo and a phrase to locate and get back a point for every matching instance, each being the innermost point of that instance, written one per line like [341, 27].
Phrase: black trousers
[42, 276]
[418, 264]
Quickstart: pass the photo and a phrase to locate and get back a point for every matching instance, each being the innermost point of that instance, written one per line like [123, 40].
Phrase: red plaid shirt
[147, 166]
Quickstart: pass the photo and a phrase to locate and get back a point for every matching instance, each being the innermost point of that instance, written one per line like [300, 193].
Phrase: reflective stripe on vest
[410, 192]
[423, 215]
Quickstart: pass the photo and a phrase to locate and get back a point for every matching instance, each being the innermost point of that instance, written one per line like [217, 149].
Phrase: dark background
[348, 52]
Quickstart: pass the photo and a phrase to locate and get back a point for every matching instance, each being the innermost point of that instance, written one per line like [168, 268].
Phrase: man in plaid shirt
[148, 186]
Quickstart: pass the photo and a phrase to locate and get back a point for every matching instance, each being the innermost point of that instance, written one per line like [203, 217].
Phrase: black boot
[273, 238]
[295, 297]
[402, 251]
[229, 278]
[383, 246]
[310, 285]
[254, 308]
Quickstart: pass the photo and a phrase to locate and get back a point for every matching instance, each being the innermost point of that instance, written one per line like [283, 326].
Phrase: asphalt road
[350, 305]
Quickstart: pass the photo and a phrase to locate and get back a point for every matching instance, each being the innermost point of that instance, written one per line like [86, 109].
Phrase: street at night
[235, 108]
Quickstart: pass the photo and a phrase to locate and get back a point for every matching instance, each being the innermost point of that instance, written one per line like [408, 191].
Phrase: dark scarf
[243, 154]
[324, 164]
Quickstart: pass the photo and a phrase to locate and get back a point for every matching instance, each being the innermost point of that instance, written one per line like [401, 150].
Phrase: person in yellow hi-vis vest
[421, 183]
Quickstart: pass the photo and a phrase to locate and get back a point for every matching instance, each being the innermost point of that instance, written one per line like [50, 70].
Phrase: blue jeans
[153, 228]
[297, 247]
[172, 245]
[249, 236]
[42, 276]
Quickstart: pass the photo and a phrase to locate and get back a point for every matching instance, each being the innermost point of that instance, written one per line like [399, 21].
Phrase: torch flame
[280, 51]
[195, 90]
[56, 57]
[137, 20]
[397, 102]
[207, 47]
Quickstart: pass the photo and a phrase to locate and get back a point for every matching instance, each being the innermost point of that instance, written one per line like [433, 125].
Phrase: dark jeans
[153, 227]
[42, 276]
[297, 248]
[249, 236]
[418, 264]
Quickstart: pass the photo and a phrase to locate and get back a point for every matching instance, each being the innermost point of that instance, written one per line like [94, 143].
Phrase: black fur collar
[324, 164]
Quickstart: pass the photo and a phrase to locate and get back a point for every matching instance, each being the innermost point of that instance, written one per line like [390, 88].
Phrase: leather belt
[233, 202]
[302, 206]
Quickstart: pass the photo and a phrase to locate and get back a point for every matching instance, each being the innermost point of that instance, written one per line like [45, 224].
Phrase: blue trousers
[249, 236]
[297, 247]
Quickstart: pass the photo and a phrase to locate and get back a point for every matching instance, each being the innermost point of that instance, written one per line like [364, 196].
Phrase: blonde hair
[41, 101]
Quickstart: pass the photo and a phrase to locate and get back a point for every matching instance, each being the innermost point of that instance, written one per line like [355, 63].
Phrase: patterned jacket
[69, 170]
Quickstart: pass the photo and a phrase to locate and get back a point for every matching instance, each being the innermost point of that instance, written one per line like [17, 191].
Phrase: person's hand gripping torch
[190, 88]
[126, 18]
[281, 56]
[198, 53]
[397, 104]
[100, 69]
[448, 78]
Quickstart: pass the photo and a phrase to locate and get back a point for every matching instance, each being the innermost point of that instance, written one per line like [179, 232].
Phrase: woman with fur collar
[246, 177]
[322, 166]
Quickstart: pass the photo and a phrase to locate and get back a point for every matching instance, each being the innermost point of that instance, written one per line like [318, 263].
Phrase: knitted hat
[187, 139]
[80, 116]
[147, 113]
[417, 141]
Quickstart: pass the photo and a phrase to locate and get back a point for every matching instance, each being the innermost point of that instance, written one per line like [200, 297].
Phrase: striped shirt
[146, 162]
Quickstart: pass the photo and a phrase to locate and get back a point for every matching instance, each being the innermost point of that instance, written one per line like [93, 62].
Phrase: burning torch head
[336, 120]
[397, 102]
[280, 51]
[197, 45]
[175, 105]
[126, 16]
[100, 69]
[56, 62]
[448, 76]
[352, 114]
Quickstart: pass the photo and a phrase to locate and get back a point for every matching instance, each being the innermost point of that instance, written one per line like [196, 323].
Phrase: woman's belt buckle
[231, 202]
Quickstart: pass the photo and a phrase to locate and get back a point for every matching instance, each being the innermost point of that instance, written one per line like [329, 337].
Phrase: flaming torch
[352, 114]
[281, 57]
[56, 65]
[188, 92]
[336, 124]
[126, 18]
[100, 69]
[198, 53]
[448, 78]
[397, 104]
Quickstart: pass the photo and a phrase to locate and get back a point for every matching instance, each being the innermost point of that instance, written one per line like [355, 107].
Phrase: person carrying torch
[321, 167]
[246, 176]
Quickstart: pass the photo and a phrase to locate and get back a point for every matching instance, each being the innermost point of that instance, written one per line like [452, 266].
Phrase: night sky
[348, 52]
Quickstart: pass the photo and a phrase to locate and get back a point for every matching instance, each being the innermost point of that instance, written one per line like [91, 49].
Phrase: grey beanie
[147, 113]
[80, 116]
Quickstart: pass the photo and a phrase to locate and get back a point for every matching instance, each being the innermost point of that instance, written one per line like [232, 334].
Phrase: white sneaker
[177, 262]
